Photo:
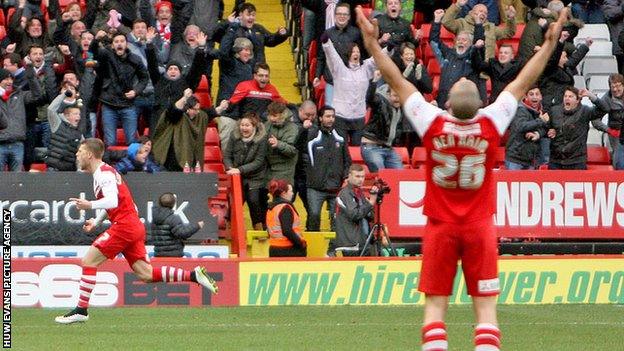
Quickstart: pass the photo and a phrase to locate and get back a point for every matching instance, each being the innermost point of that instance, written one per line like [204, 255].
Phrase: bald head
[464, 99]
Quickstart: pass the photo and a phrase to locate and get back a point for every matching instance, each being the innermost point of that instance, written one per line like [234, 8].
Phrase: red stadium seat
[121, 137]
[419, 157]
[519, 30]
[212, 136]
[212, 154]
[599, 167]
[356, 155]
[203, 85]
[598, 155]
[204, 99]
[38, 167]
[214, 167]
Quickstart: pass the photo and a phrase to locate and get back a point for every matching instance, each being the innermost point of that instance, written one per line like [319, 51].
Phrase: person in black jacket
[235, 64]
[123, 79]
[64, 114]
[382, 129]
[502, 70]
[569, 129]
[526, 130]
[393, 29]
[168, 230]
[327, 164]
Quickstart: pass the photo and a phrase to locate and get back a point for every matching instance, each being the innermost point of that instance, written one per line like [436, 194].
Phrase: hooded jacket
[249, 157]
[168, 232]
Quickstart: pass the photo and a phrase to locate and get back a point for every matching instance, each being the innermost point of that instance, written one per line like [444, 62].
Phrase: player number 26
[465, 174]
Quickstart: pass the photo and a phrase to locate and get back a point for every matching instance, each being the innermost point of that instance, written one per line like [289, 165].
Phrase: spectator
[12, 62]
[352, 215]
[246, 155]
[528, 127]
[37, 126]
[350, 83]
[259, 36]
[124, 78]
[169, 87]
[560, 71]
[249, 96]
[342, 36]
[382, 129]
[306, 119]
[283, 225]
[533, 34]
[501, 70]
[169, 230]
[85, 87]
[491, 7]
[234, 68]
[613, 101]
[282, 135]
[64, 114]
[454, 63]
[478, 16]
[569, 129]
[588, 11]
[180, 133]
[184, 51]
[614, 13]
[28, 32]
[413, 69]
[164, 13]
[137, 160]
[4, 122]
[393, 29]
[12, 103]
[327, 162]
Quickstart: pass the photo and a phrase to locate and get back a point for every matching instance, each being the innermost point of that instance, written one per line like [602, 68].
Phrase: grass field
[527, 327]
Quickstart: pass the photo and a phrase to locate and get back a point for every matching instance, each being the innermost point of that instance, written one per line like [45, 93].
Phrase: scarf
[6, 93]
[165, 31]
[527, 103]
[329, 13]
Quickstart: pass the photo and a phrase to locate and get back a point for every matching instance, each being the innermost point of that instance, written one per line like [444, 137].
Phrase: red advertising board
[533, 204]
[54, 283]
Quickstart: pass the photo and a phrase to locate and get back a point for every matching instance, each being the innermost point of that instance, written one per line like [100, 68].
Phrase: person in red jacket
[252, 95]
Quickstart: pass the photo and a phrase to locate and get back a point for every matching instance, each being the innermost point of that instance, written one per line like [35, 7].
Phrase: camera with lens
[382, 188]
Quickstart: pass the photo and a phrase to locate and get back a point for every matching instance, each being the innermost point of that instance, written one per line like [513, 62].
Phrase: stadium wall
[39, 282]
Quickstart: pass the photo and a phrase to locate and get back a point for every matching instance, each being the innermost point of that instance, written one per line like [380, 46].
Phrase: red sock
[170, 274]
[434, 337]
[87, 284]
[487, 337]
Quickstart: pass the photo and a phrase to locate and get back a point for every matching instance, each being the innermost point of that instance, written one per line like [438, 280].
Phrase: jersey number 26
[467, 173]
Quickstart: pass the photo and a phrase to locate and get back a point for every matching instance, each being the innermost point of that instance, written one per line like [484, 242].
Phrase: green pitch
[528, 327]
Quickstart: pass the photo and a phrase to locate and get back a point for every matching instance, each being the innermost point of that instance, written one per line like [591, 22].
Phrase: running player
[460, 192]
[126, 234]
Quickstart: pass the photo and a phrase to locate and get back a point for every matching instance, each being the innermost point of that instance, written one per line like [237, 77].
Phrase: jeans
[573, 166]
[329, 93]
[12, 155]
[93, 118]
[110, 118]
[301, 189]
[619, 157]
[512, 166]
[351, 129]
[315, 202]
[37, 135]
[309, 28]
[544, 155]
[379, 157]
[590, 14]
[145, 108]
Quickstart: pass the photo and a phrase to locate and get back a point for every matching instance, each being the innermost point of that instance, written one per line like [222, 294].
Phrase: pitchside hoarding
[42, 215]
[37, 251]
[395, 282]
[549, 204]
[54, 283]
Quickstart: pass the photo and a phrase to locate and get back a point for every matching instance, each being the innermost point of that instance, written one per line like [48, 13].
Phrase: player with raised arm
[460, 193]
[126, 234]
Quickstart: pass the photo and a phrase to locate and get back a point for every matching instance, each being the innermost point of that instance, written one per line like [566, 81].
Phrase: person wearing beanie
[13, 136]
[137, 160]
[64, 115]
[164, 13]
[168, 87]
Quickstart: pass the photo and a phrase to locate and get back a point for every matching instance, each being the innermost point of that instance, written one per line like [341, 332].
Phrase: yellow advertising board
[395, 282]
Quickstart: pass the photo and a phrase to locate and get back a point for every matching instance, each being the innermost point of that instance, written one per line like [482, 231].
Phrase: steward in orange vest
[284, 229]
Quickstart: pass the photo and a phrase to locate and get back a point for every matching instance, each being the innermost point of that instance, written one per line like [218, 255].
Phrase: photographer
[353, 210]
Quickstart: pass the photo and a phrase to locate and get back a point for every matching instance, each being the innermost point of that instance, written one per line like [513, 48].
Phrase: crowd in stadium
[137, 75]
